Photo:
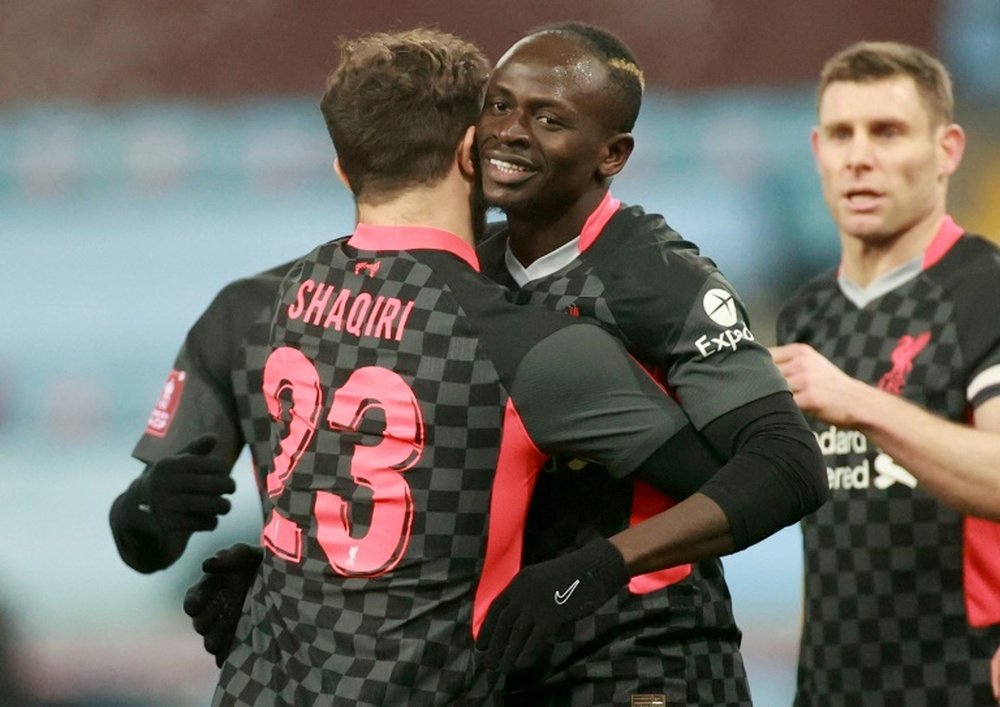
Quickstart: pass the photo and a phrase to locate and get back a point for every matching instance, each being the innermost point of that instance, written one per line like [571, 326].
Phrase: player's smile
[507, 170]
[539, 135]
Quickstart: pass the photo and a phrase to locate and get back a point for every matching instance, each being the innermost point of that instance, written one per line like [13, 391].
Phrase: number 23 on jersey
[289, 375]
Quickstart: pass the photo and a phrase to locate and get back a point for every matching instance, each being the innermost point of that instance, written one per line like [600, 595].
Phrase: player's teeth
[507, 166]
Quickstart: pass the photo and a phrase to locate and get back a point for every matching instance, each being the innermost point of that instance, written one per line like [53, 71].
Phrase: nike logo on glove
[563, 597]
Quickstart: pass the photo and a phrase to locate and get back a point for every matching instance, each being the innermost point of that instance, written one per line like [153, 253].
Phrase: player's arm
[215, 601]
[580, 394]
[682, 464]
[773, 478]
[957, 463]
[181, 489]
[626, 420]
[153, 519]
[775, 474]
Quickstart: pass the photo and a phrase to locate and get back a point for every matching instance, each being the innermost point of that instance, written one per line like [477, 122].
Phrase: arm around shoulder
[775, 475]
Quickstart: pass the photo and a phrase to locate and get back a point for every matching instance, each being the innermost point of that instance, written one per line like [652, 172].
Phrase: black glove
[184, 492]
[522, 621]
[215, 602]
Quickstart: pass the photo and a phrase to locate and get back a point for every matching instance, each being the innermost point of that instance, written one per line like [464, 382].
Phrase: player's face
[543, 135]
[883, 162]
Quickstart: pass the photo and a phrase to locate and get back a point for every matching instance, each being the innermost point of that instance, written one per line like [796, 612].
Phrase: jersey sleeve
[579, 393]
[978, 329]
[681, 315]
[197, 396]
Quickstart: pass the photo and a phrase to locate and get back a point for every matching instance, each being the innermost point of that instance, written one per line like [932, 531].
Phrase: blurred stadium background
[152, 150]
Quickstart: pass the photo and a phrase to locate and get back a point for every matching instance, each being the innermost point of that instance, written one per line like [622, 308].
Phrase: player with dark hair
[413, 404]
[895, 355]
[638, 626]
[554, 131]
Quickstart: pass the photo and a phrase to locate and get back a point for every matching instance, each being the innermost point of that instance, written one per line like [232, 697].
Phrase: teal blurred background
[151, 151]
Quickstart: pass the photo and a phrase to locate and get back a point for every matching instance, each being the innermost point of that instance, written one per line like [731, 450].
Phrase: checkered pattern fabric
[644, 284]
[885, 621]
[680, 642]
[247, 383]
[648, 287]
[222, 360]
[314, 637]
[323, 623]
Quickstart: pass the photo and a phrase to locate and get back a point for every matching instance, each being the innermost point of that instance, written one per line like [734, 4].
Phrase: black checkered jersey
[412, 405]
[885, 609]
[671, 632]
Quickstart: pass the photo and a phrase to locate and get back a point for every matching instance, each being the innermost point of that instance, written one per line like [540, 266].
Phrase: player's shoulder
[245, 299]
[313, 264]
[323, 253]
[968, 276]
[549, 345]
[235, 307]
[971, 264]
[648, 270]
[632, 223]
[807, 300]
[243, 294]
[260, 285]
[645, 240]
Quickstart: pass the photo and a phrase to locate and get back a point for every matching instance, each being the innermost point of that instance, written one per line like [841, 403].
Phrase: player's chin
[507, 198]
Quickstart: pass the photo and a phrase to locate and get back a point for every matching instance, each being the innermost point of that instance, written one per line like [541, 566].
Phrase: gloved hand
[215, 602]
[523, 619]
[184, 492]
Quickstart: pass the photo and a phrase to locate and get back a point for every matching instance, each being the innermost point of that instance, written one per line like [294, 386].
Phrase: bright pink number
[377, 467]
[288, 370]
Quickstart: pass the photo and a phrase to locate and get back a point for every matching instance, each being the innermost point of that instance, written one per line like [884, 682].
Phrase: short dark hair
[397, 105]
[627, 79]
[865, 62]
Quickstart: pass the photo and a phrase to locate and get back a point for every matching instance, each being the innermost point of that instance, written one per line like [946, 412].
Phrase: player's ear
[465, 154]
[617, 150]
[814, 142]
[951, 139]
[341, 175]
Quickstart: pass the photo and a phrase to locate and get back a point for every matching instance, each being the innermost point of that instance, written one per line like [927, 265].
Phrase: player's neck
[444, 206]
[866, 258]
[537, 233]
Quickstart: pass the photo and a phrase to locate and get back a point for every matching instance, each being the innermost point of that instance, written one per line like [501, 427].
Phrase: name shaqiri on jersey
[359, 313]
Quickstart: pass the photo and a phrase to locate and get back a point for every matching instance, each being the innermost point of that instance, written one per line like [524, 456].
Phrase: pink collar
[369, 237]
[947, 235]
[597, 220]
